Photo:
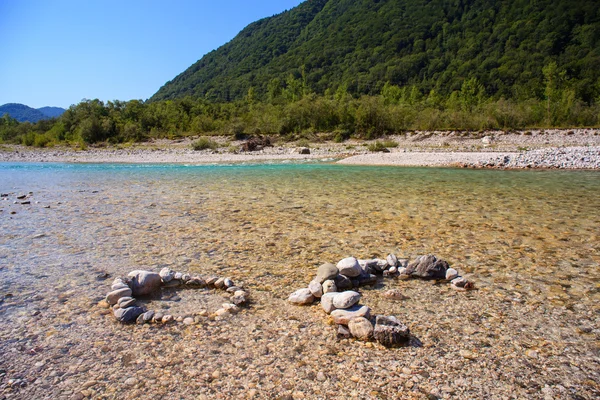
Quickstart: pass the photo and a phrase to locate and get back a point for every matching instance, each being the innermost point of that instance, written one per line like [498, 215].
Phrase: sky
[58, 52]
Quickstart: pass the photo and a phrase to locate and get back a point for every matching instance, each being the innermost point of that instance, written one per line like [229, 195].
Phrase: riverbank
[566, 149]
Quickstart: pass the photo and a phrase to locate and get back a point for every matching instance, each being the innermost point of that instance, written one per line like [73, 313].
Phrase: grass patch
[204, 143]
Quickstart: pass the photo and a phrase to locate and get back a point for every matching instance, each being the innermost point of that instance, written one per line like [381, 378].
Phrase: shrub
[389, 143]
[378, 146]
[204, 143]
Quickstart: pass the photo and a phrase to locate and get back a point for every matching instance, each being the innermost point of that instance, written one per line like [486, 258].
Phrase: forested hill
[360, 45]
[23, 113]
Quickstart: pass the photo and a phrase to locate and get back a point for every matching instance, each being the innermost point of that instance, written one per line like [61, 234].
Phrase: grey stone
[144, 282]
[128, 314]
[315, 288]
[392, 260]
[344, 316]
[346, 299]
[349, 267]
[301, 297]
[115, 295]
[329, 286]
[303, 150]
[389, 331]
[233, 289]
[166, 274]
[380, 265]
[166, 319]
[402, 275]
[188, 321]
[185, 278]
[451, 274]
[196, 281]
[327, 302]
[325, 272]
[428, 267]
[343, 282]
[361, 328]
[148, 315]
[239, 298]
[140, 320]
[178, 276]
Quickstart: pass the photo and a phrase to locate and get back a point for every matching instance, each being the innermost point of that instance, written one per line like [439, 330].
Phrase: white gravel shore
[565, 149]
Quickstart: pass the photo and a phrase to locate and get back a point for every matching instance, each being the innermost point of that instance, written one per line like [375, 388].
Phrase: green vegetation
[377, 146]
[204, 143]
[511, 49]
[365, 69]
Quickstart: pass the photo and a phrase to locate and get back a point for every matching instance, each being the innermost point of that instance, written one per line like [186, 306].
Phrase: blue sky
[58, 52]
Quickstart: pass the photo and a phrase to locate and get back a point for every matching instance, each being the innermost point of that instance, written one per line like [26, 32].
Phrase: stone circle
[334, 290]
[142, 283]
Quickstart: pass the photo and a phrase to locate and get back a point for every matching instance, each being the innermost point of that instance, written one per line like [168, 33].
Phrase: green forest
[366, 68]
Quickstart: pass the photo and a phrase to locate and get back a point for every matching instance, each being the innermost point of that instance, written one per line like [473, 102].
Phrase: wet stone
[148, 315]
[389, 331]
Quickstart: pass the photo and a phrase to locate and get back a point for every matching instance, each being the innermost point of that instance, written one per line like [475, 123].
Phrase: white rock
[316, 288]
[451, 274]
[329, 286]
[349, 267]
[327, 302]
[220, 283]
[392, 260]
[302, 297]
[227, 282]
[344, 316]
[178, 276]
[346, 299]
[166, 274]
[188, 321]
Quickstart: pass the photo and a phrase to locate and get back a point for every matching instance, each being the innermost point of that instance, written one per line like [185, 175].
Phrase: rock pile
[143, 283]
[333, 285]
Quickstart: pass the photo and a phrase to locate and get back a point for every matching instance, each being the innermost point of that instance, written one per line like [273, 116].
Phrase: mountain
[428, 44]
[23, 113]
[52, 112]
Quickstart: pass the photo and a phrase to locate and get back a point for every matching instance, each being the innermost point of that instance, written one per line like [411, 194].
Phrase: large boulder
[349, 267]
[144, 282]
[389, 331]
[428, 267]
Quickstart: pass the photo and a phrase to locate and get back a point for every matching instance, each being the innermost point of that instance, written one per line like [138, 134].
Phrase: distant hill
[23, 113]
[426, 44]
[52, 112]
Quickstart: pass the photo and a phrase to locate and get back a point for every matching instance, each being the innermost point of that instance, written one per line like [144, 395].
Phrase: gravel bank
[568, 149]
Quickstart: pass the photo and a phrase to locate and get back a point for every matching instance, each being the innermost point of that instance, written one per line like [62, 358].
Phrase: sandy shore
[566, 149]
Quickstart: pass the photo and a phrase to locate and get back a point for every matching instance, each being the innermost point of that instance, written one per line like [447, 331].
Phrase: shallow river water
[530, 240]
